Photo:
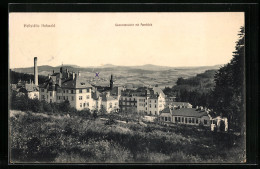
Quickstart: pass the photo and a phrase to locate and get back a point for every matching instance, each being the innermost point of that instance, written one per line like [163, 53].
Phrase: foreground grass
[63, 139]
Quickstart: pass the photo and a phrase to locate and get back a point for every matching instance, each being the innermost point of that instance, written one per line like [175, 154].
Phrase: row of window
[184, 120]
[125, 98]
[123, 103]
[81, 97]
[84, 104]
[70, 91]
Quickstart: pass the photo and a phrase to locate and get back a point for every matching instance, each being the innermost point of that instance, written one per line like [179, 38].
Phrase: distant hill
[144, 75]
[148, 68]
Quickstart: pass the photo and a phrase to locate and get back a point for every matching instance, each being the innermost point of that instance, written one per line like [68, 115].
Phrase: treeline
[194, 90]
[221, 90]
[16, 76]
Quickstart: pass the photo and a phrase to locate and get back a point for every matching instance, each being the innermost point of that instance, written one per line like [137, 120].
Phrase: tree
[229, 90]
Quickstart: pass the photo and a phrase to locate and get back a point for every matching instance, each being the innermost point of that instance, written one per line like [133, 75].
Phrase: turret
[111, 82]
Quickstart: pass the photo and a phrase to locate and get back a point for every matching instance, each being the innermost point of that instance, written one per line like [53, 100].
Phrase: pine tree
[229, 90]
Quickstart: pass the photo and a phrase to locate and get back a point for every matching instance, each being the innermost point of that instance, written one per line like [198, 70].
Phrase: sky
[93, 39]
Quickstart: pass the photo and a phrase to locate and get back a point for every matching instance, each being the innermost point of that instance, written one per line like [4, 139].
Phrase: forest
[222, 90]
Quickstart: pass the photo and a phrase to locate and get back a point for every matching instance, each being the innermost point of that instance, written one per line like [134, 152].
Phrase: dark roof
[108, 98]
[180, 103]
[78, 83]
[116, 91]
[31, 87]
[166, 110]
[188, 112]
[55, 74]
[95, 95]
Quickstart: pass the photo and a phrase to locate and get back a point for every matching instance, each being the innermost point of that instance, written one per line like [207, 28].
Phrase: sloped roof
[95, 95]
[166, 110]
[188, 112]
[31, 87]
[109, 98]
[159, 91]
[77, 83]
[180, 103]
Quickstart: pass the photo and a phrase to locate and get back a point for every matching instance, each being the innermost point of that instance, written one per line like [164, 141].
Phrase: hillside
[58, 138]
[127, 75]
[195, 90]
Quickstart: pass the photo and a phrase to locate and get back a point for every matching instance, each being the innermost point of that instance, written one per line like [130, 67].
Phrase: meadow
[72, 138]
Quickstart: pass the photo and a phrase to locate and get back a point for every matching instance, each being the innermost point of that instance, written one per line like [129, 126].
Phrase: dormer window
[82, 83]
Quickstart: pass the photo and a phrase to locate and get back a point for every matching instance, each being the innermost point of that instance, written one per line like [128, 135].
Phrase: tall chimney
[35, 72]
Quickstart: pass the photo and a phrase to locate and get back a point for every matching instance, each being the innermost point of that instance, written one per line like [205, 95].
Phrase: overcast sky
[92, 39]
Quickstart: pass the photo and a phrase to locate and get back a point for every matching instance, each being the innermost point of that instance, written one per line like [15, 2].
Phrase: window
[162, 118]
[80, 97]
[110, 105]
[189, 120]
[193, 120]
[87, 104]
[87, 96]
[71, 91]
[67, 91]
[150, 101]
[63, 97]
[165, 118]
[154, 101]
[197, 121]
[42, 90]
[63, 91]
[72, 98]
[134, 99]
[150, 112]
[154, 106]
[87, 90]
[182, 119]
[186, 121]
[150, 106]
[169, 118]
[155, 112]
[47, 96]
[84, 104]
[50, 100]
[43, 97]
[50, 93]
[205, 121]
[129, 99]
[80, 105]
[176, 119]
[59, 98]
[67, 98]
[179, 119]
[80, 90]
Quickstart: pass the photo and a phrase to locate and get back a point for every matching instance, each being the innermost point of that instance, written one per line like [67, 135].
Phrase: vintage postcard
[118, 87]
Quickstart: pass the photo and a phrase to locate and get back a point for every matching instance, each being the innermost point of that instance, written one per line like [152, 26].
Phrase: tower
[111, 82]
[35, 72]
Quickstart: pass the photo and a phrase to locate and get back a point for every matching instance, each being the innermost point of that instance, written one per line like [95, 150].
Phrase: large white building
[149, 101]
[65, 85]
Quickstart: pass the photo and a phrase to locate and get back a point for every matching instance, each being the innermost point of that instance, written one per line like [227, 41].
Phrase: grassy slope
[73, 139]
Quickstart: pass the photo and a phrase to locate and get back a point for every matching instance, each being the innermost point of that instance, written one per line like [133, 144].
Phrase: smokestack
[35, 72]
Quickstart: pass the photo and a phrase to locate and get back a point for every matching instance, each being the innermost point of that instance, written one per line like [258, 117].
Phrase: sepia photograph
[127, 87]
